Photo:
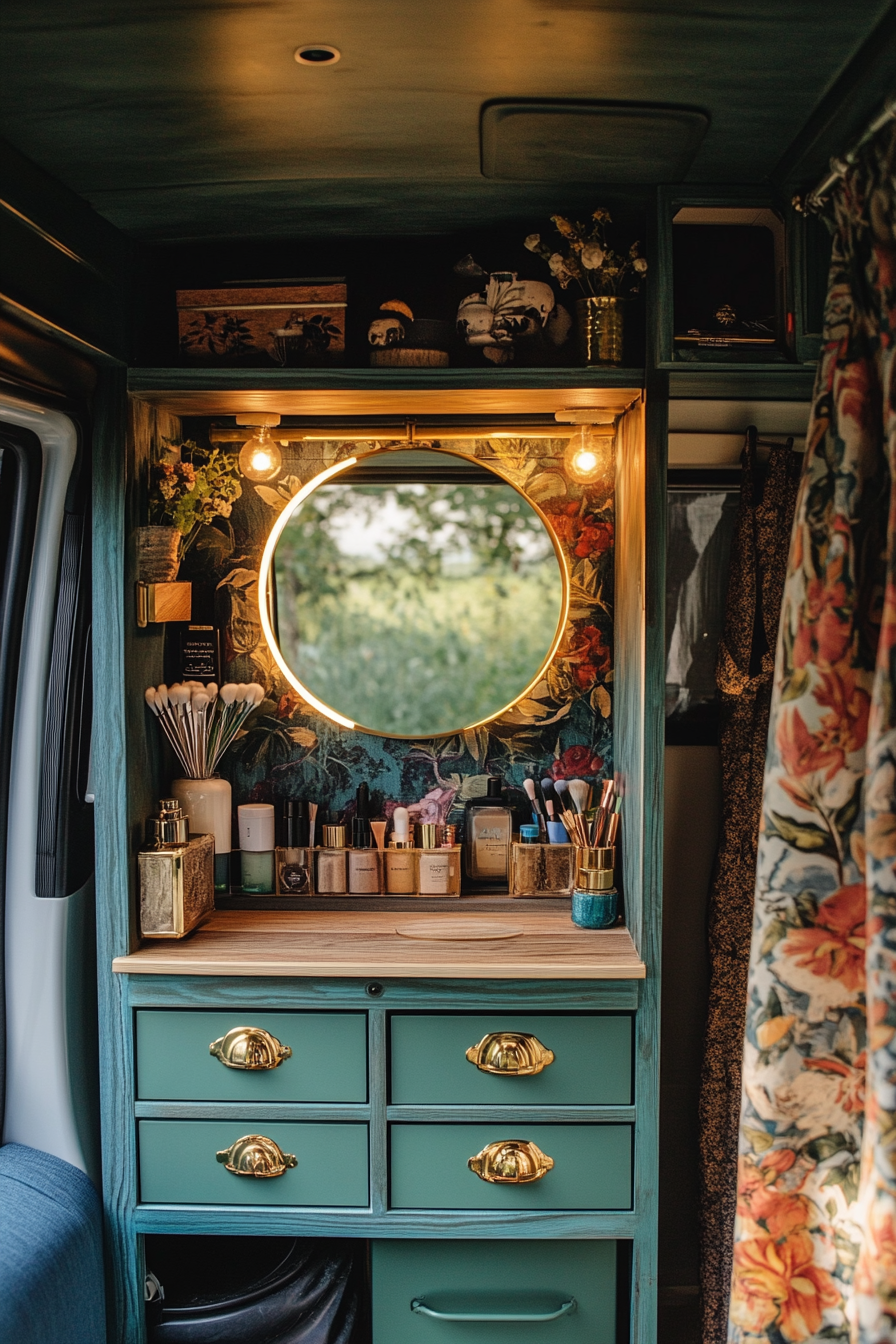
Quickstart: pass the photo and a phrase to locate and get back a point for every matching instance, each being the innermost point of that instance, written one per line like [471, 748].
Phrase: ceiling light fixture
[260, 458]
[317, 53]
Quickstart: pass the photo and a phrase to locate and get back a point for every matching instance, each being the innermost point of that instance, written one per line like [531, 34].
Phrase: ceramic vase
[600, 328]
[207, 803]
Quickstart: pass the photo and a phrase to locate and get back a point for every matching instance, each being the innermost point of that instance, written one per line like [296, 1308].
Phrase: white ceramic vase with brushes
[200, 722]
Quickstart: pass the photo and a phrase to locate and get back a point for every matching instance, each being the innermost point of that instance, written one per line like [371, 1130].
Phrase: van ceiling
[190, 119]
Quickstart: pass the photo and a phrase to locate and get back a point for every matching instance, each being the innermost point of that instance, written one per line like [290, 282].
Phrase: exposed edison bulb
[587, 456]
[260, 458]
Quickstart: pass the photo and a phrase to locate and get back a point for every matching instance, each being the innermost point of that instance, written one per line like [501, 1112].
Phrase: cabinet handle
[511, 1162]
[513, 1053]
[249, 1048]
[564, 1309]
[255, 1155]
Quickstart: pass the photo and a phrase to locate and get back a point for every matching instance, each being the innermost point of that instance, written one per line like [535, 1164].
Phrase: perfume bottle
[293, 859]
[488, 831]
[256, 827]
[177, 875]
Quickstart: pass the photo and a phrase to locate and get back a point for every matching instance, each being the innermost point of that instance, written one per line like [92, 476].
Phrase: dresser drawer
[592, 1167]
[328, 1060]
[525, 1279]
[592, 1064]
[179, 1163]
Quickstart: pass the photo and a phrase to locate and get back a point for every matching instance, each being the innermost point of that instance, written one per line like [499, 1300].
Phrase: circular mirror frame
[264, 580]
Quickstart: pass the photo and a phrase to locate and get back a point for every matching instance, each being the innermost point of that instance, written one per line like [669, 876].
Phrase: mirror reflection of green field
[416, 609]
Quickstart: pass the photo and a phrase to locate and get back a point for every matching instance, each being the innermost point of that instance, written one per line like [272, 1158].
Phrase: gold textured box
[177, 887]
[278, 325]
[541, 870]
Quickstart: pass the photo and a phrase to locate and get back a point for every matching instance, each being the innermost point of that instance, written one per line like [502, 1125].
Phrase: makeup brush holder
[208, 805]
[541, 870]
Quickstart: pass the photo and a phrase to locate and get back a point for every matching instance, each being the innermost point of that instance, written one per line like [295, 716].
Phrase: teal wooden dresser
[368, 1124]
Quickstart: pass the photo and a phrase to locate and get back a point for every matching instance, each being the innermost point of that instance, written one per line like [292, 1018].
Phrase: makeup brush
[579, 792]
[529, 786]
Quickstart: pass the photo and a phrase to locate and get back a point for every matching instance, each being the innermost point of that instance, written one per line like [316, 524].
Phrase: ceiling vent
[588, 141]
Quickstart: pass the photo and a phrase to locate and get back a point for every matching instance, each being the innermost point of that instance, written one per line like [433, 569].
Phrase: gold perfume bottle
[177, 875]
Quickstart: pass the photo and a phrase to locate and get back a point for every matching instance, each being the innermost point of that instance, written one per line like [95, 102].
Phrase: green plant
[193, 491]
[589, 259]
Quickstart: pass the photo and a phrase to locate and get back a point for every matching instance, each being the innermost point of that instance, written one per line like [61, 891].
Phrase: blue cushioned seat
[51, 1251]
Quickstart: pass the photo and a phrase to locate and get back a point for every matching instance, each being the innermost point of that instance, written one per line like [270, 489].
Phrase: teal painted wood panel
[592, 1061]
[467, 1276]
[178, 1164]
[328, 1063]
[592, 1167]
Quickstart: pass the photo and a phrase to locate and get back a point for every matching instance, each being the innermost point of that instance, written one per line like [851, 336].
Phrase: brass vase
[600, 325]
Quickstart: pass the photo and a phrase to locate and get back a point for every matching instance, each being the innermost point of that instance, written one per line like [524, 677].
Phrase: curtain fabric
[744, 676]
[815, 1242]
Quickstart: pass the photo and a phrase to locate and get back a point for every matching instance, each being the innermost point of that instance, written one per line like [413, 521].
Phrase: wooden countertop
[524, 946]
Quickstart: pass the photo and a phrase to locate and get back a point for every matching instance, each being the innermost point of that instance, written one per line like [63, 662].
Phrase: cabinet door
[559, 1292]
[592, 1064]
[179, 1163]
[328, 1060]
[592, 1167]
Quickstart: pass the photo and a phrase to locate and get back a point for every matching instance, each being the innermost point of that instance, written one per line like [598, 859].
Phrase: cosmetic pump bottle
[365, 867]
[177, 875]
[401, 857]
[256, 828]
[331, 861]
[294, 866]
[487, 835]
[438, 865]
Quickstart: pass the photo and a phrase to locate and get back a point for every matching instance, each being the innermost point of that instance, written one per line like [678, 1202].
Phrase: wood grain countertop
[386, 944]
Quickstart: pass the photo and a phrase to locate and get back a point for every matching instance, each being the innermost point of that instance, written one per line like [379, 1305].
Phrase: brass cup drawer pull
[249, 1048]
[255, 1155]
[511, 1162]
[512, 1053]
[565, 1309]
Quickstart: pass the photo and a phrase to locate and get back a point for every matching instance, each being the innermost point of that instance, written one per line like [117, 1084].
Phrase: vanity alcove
[379, 1102]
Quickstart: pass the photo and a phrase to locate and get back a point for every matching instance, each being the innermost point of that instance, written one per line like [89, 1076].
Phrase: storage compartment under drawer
[563, 1291]
[179, 1163]
[328, 1060]
[592, 1167]
[592, 1064]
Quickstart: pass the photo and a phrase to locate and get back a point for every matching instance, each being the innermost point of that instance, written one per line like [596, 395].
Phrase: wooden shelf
[185, 391]
[744, 382]
[544, 946]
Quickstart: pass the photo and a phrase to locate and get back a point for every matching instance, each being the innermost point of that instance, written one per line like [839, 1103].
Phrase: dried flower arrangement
[589, 260]
[193, 487]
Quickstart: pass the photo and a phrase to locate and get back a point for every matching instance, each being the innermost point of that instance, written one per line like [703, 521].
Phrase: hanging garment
[815, 1242]
[744, 677]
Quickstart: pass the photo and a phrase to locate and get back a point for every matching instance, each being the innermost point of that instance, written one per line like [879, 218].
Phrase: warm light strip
[264, 576]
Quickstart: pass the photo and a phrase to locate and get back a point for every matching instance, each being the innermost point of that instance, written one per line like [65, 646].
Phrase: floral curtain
[744, 675]
[815, 1239]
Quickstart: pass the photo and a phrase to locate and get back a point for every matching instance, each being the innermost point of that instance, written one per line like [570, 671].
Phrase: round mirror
[412, 593]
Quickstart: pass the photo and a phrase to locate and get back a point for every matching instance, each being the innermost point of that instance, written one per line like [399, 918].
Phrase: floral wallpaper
[564, 726]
